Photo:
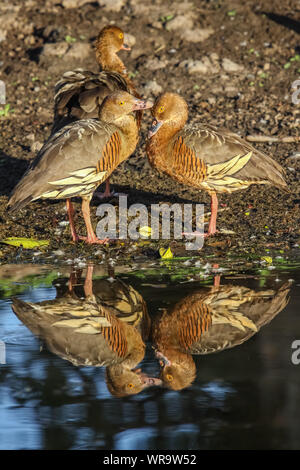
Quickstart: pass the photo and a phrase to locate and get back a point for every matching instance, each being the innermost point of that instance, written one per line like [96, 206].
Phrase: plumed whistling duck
[92, 331]
[208, 321]
[202, 156]
[79, 93]
[77, 158]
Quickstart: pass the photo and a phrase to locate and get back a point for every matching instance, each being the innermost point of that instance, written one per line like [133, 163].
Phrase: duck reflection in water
[100, 323]
[207, 321]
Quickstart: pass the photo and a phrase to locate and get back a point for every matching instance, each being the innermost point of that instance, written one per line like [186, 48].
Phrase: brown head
[170, 112]
[118, 105]
[110, 41]
[179, 371]
[122, 381]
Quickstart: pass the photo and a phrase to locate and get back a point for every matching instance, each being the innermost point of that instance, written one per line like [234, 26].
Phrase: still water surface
[93, 360]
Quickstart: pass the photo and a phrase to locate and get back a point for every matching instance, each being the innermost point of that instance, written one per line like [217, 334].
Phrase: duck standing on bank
[205, 157]
[80, 156]
[79, 93]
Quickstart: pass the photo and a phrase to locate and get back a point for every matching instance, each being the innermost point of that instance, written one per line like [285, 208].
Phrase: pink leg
[88, 283]
[212, 228]
[70, 210]
[74, 278]
[71, 282]
[217, 280]
[91, 237]
[106, 193]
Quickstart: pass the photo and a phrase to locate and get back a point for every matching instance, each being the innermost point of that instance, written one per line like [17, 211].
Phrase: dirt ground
[233, 61]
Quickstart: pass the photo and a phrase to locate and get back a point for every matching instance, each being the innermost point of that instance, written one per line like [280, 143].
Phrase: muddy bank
[234, 62]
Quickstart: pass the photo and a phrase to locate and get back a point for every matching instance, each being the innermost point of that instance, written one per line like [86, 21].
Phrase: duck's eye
[130, 385]
[161, 109]
[121, 103]
[169, 377]
[121, 35]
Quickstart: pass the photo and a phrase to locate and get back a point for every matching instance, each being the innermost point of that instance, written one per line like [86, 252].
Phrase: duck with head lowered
[205, 157]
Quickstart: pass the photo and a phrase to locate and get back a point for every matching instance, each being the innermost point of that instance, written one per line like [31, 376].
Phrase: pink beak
[146, 380]
[125, 47]
[142, 104]
[154, 128]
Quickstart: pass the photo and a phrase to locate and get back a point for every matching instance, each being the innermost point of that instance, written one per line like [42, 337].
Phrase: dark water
[149, 359]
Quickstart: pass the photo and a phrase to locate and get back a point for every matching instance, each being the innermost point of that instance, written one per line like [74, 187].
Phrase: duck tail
[17, 202]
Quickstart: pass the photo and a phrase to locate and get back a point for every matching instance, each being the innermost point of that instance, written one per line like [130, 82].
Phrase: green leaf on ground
[27, 243]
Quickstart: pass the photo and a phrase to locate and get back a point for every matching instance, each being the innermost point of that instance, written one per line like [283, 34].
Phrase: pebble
[55, 49]
[137, 52]
[180, 23]
[78, 51]
[204, 66]
[129, 39]
[157, 25]
[231, 91]
[187, 263]
[112, 5]
[58, 252]
[152, 87]
[156, 64]
[3, 34]
[36, 146]
[8, 21]
[197, 35]
[295, 156]
[81, 264]
[231, 67]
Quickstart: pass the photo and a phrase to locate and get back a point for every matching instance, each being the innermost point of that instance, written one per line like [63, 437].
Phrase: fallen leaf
[145, 231]
[267, 259]
[165, 253]
[27, 243]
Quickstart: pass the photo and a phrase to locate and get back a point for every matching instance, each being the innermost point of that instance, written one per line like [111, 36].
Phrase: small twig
[160, 48]
[269, 138]
[219, 210]
[206, 12]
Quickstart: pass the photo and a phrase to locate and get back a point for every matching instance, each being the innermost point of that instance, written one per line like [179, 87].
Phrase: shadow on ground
[11, 171]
